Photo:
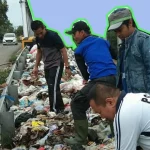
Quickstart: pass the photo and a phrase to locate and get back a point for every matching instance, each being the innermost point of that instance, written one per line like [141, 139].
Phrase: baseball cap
[117, 17]
[78, 26]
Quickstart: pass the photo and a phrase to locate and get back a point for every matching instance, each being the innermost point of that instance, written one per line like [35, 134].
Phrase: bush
[4, 73]
[13, 58]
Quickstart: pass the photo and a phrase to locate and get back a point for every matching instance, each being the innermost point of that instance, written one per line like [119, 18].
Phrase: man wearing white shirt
[130, 113]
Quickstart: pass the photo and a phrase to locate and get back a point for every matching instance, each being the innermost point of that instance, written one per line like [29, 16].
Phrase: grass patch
[4, 73]
[13, 58]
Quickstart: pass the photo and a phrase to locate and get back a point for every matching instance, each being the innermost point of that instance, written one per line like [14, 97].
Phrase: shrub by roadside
[4, 73]
[13, 58]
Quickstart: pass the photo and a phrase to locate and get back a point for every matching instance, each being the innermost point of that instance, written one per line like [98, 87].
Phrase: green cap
[117, 17]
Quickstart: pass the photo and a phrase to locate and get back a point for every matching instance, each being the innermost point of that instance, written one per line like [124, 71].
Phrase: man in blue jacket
[133, 66]
[96, 65]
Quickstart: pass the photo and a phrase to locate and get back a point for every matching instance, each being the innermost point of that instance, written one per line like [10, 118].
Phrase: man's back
[97, 57]
[132, 122]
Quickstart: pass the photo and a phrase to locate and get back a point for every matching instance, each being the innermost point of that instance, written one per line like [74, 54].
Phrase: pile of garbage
[37, 128]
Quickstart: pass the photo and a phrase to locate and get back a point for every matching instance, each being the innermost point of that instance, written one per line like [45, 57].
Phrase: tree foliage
[5, 24]
[19, 31]
[3, 11]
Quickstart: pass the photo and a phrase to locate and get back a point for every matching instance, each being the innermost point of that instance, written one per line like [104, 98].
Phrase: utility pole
[24, 17]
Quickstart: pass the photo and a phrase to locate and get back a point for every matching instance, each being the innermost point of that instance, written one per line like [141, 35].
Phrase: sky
[14, 12]
[60, 14]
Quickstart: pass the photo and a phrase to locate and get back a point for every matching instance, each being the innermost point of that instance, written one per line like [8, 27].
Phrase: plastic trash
[37, 125]
[20, 148]
[51, 114]
[24, 102]
[58, 147]
[39, 107]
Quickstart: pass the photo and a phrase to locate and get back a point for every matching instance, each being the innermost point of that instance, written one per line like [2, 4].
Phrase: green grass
[13, 58]
[3, 75]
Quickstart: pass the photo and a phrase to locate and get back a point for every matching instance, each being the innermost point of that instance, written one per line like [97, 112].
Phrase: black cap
[78, 26]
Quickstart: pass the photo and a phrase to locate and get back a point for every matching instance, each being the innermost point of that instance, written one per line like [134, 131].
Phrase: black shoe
[60, 111]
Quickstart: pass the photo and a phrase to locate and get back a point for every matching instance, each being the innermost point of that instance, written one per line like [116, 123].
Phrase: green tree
[3, 16]
[8, 27]
[19, 31]
[3, 11]
[5, 24]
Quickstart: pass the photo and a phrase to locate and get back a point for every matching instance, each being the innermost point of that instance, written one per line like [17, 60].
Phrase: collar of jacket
[128, 39]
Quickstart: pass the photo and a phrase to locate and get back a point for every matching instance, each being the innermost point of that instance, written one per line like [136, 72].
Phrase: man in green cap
[133, 66]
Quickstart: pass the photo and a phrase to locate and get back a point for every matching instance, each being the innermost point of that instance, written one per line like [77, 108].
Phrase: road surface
[6, 52]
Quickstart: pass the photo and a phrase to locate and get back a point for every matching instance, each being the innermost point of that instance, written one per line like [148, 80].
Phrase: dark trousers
[139, 148]
[53, 77]
[80, 102]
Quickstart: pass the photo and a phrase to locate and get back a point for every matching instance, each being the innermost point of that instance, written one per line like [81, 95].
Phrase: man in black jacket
[53, 51]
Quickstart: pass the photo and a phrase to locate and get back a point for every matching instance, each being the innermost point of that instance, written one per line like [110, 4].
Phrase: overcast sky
[14, 12]
[59, 14]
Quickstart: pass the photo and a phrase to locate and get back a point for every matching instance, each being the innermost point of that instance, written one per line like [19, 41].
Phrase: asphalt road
[6, 52]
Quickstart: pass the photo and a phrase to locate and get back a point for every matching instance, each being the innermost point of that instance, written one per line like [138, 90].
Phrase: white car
[10, 38]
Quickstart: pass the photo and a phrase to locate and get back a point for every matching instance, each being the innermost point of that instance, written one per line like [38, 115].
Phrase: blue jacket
[96, 55]
[136, 62]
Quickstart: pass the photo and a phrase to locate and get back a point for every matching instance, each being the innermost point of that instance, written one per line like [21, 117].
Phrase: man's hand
[3, 85]
[35, 71]
[85, 82]
[68, 73]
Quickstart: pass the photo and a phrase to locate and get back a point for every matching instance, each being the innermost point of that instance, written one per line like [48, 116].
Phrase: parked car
[10, 38]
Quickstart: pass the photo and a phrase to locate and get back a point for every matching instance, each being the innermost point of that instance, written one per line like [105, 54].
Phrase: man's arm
[60, 45]
[3, 85]
[81, 64]
[82, 67]
[145, 50]
[38, 57]
[65, 56]
[113, 53]
[38, 54]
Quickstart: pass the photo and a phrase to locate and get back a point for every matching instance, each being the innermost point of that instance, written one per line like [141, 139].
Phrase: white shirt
[131, 120]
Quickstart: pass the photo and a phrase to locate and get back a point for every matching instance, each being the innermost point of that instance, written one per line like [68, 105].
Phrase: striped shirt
[132, 121]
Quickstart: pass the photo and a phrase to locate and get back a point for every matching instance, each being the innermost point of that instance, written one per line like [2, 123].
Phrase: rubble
[37, 128]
